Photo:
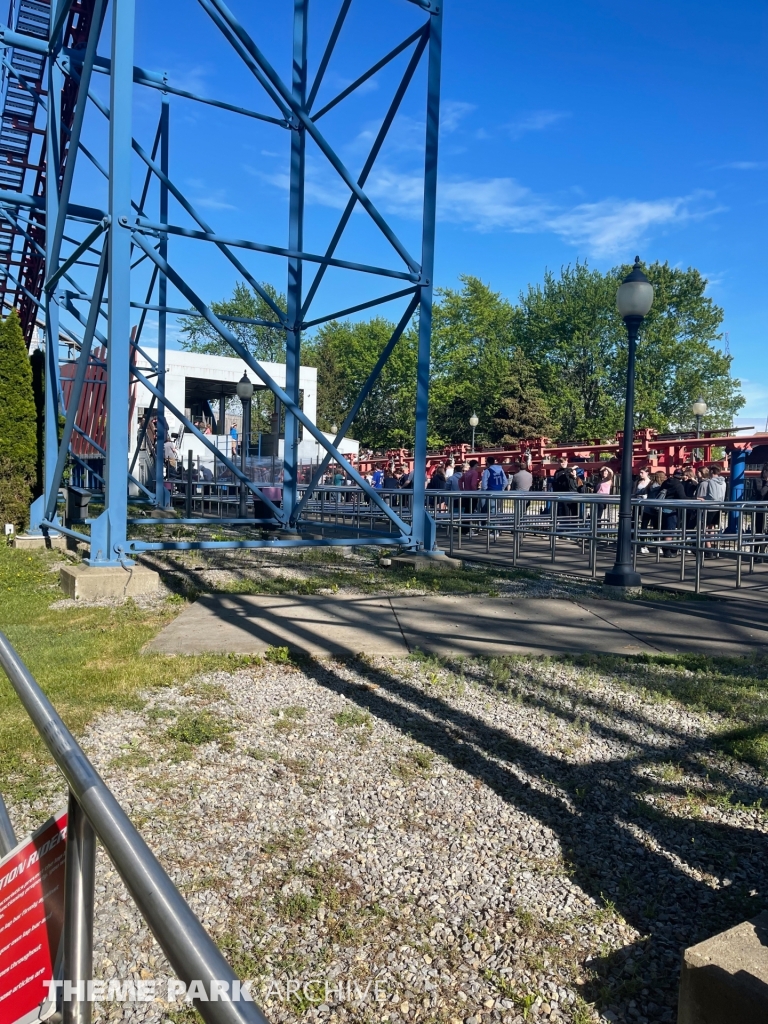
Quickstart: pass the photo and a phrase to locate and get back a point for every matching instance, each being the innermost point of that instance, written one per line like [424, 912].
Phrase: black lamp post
[634, 299]
[245, 394]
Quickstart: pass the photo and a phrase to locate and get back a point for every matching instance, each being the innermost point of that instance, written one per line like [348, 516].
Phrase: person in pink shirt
[604, 486]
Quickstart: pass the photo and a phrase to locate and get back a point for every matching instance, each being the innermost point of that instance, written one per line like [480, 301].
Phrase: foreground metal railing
[94, 812]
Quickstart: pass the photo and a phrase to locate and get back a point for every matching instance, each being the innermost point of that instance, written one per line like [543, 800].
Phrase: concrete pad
[317, 625]
[97, 583]
[29, 542]
[724, 980]
[700, 627]
[433, 563]
[494, 626]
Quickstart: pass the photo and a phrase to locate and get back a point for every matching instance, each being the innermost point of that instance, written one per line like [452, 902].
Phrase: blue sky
[589, 130]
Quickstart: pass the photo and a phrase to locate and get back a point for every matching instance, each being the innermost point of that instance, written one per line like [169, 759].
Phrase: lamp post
[473, 421]
[634, 299]
[245, 394]
[700, 410]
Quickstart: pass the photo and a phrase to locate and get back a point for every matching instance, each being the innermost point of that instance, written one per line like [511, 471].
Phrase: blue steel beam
[55, 81]
[184, 202]
[328, 52]
[162, 320]
[53, 245]
[423, 527]
[295, 264]
[368, 74]
[272, 250]
[108, 532]
[359, 307]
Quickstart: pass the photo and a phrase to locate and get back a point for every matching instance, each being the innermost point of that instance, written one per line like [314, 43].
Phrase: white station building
[202, 388]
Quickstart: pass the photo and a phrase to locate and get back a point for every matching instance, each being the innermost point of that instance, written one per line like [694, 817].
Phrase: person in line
[712, 488]
[759, 518]
[470, 481]
[494, 478]
[674, 490]
[449, 468]
[436, 483]
[521, 478]
[565, 481]
[690, 486]
[604, 486]
[378, 478]
[640, 490]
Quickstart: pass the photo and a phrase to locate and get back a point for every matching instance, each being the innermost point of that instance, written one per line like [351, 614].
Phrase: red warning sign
[31, 919]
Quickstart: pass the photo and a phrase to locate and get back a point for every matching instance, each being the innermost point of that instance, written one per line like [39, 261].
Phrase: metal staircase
[22, 149]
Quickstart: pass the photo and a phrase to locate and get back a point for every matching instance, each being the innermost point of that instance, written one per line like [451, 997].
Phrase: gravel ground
[490, 841]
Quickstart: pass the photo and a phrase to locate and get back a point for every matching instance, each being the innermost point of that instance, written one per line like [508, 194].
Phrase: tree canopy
[553, 364]
[264, 343]
[571, 331]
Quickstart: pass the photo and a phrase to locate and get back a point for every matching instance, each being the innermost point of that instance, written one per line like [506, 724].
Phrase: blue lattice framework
[107, 244]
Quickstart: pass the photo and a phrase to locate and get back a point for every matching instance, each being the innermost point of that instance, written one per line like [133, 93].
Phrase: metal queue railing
[94, 812]
[737, 531]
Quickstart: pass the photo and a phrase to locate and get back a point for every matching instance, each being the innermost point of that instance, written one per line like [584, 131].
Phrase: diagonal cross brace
[318, 138]
[77, 386]
[262, 374]
[364, 392]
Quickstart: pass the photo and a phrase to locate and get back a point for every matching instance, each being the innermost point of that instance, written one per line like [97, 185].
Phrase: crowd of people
[685, 483]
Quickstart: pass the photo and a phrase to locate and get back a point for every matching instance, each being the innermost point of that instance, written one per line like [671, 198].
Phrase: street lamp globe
[634, 296]
[473, 421]
[244, 389]
[700, 407]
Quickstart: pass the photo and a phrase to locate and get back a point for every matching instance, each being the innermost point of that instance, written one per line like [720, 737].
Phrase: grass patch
[195, 728]
[278, 655]
[353, 719]
[87, 660]
[734, 687]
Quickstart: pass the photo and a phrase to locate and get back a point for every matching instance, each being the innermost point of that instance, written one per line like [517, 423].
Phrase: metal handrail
[191, 952]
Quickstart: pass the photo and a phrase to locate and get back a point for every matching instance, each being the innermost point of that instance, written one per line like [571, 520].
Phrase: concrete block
[724, 980]
[98, 583]
[433, 563]
[28, 541]
[620, 593]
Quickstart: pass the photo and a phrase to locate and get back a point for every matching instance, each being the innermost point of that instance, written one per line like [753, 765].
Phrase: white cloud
[213, 201]
[452, 113]
[744, 165]
[605, 228]
[611, 225]
[536, 121]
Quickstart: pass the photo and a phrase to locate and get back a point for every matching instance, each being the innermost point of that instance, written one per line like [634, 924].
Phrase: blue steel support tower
[72, 267]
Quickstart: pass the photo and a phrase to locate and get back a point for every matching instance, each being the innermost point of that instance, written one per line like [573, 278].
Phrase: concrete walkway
[341, 624]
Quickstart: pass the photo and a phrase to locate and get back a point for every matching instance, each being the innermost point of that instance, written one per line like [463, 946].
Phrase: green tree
[345, 352]
[524, 411]
[264, 343]
[473, 340]
[571, 331]
[18, 440]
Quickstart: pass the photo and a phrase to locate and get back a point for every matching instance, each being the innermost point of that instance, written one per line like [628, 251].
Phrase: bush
[18, 425]
[15, 495]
